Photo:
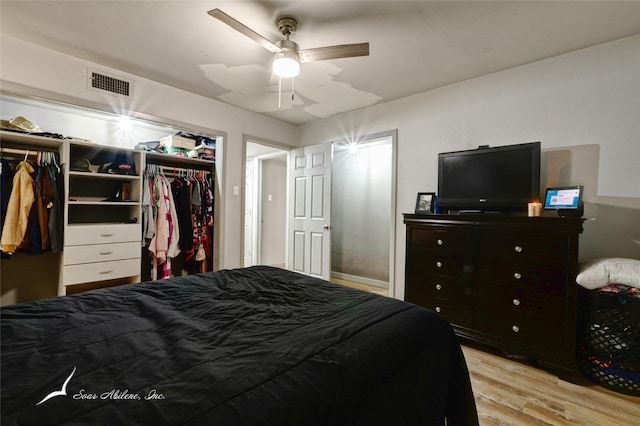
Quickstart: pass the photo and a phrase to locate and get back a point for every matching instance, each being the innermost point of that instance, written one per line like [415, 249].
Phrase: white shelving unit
[102, 217]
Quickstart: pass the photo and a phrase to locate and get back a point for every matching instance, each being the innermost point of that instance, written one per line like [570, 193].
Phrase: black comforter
[248, 346]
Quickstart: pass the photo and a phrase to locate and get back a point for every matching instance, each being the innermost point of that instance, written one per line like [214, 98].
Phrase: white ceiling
[415, 46]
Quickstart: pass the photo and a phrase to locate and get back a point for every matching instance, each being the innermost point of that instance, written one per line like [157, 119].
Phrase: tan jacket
[20, 202]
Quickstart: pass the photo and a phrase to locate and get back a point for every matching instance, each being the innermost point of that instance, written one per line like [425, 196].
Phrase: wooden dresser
[503, 281]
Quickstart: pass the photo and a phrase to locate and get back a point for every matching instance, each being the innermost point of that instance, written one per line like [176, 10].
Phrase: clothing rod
[26, 152]
[175, 169]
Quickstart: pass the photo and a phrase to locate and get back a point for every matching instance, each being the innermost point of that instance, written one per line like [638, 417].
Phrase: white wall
[583, 106]
[64, 78]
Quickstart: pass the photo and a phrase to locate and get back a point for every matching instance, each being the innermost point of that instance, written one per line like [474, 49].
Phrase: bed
[249, 346]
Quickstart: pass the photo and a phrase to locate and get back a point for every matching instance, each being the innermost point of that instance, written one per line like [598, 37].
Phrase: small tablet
[563, 198]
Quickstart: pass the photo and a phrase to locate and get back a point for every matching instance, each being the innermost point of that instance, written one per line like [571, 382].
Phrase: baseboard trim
[360, 280]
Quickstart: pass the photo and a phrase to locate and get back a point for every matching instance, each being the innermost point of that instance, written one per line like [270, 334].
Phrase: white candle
[534, 209]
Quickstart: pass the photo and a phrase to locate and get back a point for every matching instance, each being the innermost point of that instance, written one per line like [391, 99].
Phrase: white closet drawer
[78, 235]
[74, 255]
[100, 271]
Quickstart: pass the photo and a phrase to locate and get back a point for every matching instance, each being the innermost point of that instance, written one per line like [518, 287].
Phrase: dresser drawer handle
[108, 271]
[516, 302]
[518, 249]
[439, 264]
[106, 234]
[438, 287]
[515, 328]
[440, 242]
[104, 253]
[517, 275]
[438, 309]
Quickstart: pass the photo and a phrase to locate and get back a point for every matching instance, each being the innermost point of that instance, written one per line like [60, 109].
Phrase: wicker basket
[609, 340]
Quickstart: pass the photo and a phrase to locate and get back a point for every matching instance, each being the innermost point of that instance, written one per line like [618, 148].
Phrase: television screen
[566, 197]
[503, 178]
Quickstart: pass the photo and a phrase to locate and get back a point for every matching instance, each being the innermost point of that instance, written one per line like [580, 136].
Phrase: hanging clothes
[18, 208]
[164, 244]
[180, 189]
[202, 217]
[34, 193]
[55, 206]
[148, 215]
[6, 179]
[174, 239]
[176, 210]
[42, 199]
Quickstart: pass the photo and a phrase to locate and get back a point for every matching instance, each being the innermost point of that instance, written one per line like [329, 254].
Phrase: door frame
[275, 146]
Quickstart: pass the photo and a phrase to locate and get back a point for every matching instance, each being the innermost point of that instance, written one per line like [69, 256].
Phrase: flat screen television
[489, 179]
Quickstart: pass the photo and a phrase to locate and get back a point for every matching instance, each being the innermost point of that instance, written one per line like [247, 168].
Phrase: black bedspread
[259, 346]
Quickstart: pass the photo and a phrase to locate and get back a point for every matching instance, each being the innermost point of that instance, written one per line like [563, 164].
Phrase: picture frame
[425, 202]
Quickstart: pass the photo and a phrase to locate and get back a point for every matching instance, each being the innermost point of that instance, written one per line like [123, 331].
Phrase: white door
[310, 211]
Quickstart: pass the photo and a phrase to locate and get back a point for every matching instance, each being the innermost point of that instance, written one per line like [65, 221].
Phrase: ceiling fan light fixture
[286, 67]
[286, 64]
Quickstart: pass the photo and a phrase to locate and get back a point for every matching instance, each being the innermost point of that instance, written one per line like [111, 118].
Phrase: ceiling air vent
[102, 82]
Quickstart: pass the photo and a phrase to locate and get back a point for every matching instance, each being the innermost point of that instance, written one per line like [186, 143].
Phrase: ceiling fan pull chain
[279, 92]
[293, 79]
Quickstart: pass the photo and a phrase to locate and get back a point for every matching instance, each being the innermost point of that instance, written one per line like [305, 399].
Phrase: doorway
[363, 213]
[265, 205]
[363, 232]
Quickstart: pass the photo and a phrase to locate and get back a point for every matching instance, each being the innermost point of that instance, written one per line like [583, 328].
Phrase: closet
[105, 202]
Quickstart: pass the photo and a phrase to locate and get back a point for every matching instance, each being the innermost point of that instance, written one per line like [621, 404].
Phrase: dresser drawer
[454, 312]
[458, 310]
[78, 235]
[523, 300]
[443, 241]
[456, 267]
[74, 255]
[442, 287]
[533, 277]
[516, 329]
[100, 271]
[518, 247]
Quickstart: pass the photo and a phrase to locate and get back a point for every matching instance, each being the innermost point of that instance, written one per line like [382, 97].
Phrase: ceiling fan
[288, 56]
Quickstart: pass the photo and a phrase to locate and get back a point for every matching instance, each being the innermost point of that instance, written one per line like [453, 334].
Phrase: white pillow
[601, 272]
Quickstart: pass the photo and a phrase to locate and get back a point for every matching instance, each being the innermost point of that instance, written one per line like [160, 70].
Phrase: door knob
[326, 227]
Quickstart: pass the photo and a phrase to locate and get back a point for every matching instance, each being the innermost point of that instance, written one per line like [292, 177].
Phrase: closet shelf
[29, 141]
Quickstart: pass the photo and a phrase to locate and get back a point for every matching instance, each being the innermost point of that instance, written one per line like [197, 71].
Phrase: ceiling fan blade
[240, 27]
[334, 52]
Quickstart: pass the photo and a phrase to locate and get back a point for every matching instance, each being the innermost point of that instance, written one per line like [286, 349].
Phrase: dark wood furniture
[507, 282]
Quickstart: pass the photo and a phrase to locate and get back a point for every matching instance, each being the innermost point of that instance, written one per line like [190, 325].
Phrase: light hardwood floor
[513, 393]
